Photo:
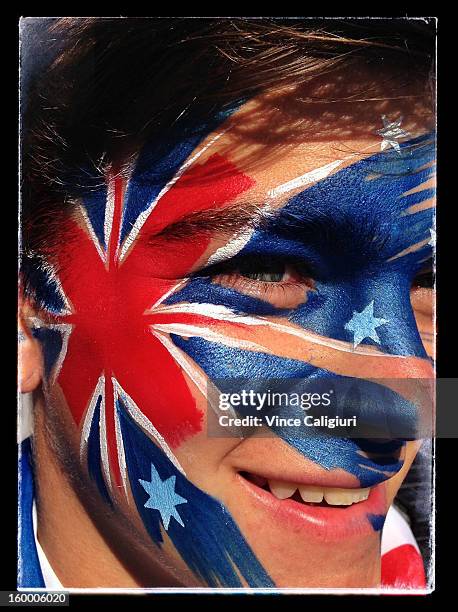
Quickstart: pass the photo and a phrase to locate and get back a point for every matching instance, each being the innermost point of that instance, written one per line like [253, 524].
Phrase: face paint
[391, 133]
[200, 527]
[113, 330]
[88, 325]
[140, 322]
[365, 235]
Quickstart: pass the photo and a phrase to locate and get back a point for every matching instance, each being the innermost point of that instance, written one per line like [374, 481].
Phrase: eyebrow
[333, 230]
[329, 230]
[230, 219]
[249, 215]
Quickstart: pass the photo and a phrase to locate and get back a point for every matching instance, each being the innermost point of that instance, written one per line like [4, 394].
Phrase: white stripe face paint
[182, 359]
[92, 235]
[231, 248]
[65, 329]
[222, 313]
[195, 331]
[241, 238]
[52, 275]
[145, 423]
[203, 384]
[104, 444]
[120, 443]
[213, 311]
[305, 179]
[109, 214]
[168, 293]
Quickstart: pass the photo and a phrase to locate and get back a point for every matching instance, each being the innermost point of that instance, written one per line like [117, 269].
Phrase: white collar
[52, 582]
[396, 531]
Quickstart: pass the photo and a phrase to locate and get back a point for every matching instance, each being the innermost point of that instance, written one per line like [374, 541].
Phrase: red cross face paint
[194, 265]
[112, 310]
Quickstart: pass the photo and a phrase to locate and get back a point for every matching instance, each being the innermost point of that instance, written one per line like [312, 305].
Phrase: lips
[319, 512]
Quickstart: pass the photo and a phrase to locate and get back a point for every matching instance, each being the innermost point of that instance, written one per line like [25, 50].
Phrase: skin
[111, 548]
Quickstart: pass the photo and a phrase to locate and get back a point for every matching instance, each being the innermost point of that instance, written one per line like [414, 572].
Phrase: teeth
[313, 494]
[340, 497]
[345, 497]
[282, 490]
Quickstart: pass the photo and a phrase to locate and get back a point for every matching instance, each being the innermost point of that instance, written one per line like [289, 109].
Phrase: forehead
[275, 140]
[364, 192]
[370, 175]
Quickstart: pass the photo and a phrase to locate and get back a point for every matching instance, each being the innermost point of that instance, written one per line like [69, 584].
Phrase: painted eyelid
[237, 280]
[286, 295]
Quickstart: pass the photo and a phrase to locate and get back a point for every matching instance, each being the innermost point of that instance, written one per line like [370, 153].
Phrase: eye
[273, 272]
[424, 279]
[282, 282]
[422, 301]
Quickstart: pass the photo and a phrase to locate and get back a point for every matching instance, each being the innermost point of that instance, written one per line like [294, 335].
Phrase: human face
[163, 281]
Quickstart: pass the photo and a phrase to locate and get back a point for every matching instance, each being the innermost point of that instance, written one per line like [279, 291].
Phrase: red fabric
[402, 567]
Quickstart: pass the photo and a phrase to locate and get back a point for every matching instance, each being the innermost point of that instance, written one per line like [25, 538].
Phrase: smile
[322, 512]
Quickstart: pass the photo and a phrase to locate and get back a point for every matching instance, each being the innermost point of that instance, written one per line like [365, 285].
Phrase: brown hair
[111, 84]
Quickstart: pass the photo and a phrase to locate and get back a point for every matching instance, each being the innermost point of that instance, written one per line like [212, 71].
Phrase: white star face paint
[391, 133]
[364, 324]
[163, 497]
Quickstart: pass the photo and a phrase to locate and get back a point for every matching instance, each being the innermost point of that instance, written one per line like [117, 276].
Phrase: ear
[30, 360]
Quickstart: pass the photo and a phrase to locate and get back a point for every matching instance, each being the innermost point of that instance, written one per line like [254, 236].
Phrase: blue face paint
[94, 204]
[93, 454]
[203, 290]
[360, 211]
[46, 289]
[377, 521]
[51, 341]
[381, 408]
[158, 164]
[349, 227]
[353, 229]
[201, 528]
